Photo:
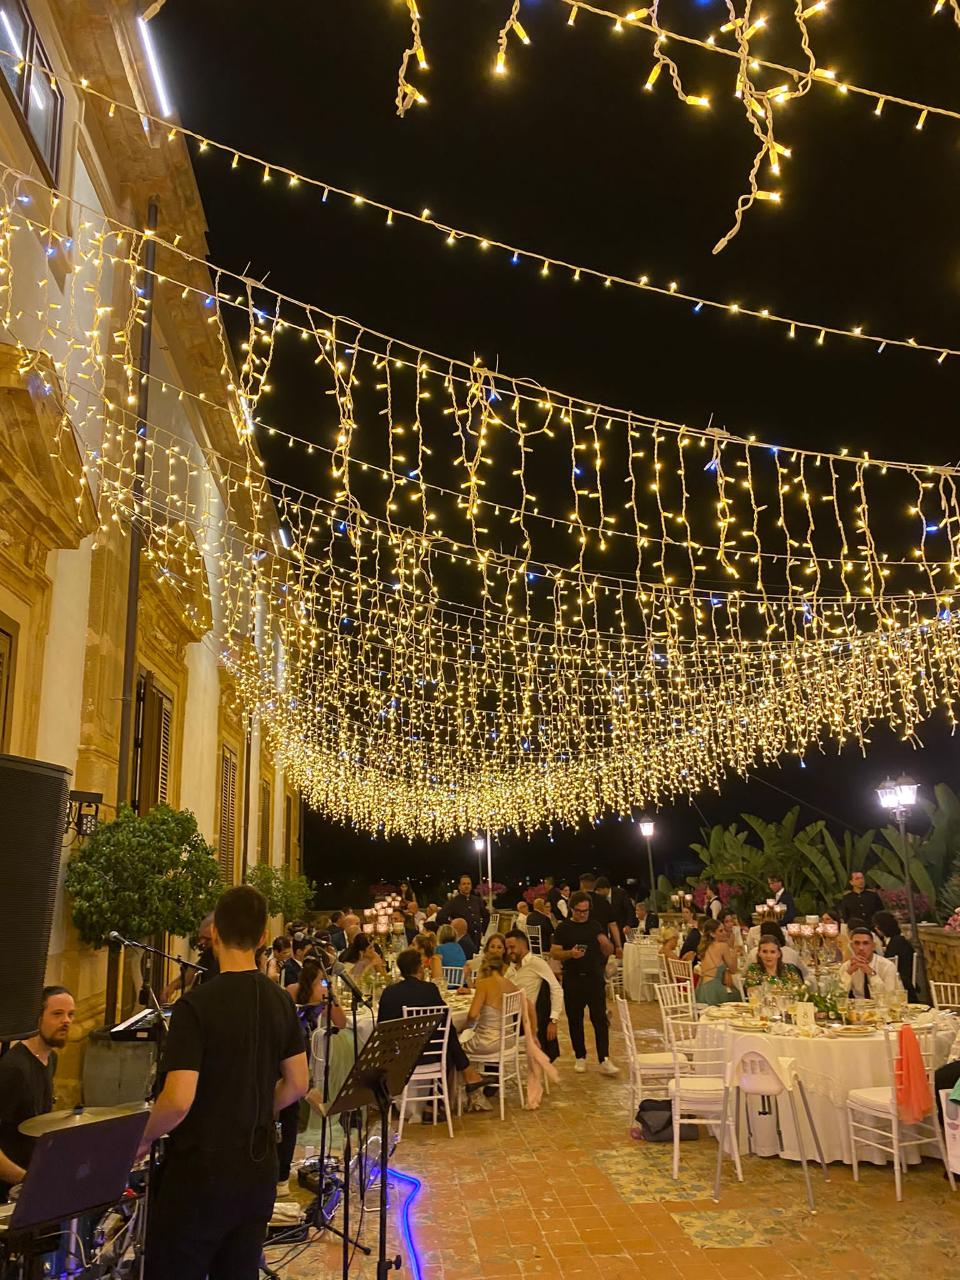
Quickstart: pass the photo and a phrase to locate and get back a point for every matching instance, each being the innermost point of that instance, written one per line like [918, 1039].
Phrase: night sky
[567, 154]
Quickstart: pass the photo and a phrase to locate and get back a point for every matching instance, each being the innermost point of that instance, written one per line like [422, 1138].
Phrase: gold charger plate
[854, 1032]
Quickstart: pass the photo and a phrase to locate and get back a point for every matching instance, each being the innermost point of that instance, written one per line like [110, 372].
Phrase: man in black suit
[860, 904]
[466, 905]
[413, 992]
[539, 917]
[784, 898]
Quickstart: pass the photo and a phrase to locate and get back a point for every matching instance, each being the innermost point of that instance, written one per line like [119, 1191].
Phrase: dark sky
[567, 154]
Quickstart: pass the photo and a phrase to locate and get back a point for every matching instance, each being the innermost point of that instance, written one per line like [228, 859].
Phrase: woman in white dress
[486, 1009]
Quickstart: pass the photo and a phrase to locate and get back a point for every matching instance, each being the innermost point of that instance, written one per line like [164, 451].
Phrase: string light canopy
[494, 604]
[279, 177]
[762, 85]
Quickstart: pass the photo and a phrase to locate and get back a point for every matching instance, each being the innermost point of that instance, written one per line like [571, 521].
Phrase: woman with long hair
[426, 944]
[310, 994]
[716, 964]
[361, 956]
[771, 970]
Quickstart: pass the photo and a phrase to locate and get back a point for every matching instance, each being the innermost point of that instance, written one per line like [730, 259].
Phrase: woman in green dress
[716, 965]
[769, 969]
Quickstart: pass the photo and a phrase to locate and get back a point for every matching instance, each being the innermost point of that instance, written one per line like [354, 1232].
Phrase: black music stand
[379, 1075]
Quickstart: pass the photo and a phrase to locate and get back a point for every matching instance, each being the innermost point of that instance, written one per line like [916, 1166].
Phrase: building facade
[63, 567]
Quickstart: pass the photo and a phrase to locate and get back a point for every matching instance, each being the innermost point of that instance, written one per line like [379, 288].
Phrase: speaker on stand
[34, 799]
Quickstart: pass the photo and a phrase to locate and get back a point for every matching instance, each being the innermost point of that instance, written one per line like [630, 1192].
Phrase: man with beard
[26, 1083]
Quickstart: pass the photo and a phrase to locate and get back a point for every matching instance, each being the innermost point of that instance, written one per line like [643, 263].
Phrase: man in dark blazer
[784, 898]
[538, 916]
[413, 992]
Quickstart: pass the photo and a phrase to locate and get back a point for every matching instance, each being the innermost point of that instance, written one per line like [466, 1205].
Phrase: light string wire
[544, 262]
[401, 707]
[760, 104]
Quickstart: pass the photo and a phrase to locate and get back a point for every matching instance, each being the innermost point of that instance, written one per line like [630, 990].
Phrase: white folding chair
[428, 1083]
[680, 970]
[880, 1106]
[649, 966]
[507, 1058]
[751, 1070]
[656, 1067]
[946, 995]
[675, 999]
[697, 1090]
[535, 940]
[453, 975]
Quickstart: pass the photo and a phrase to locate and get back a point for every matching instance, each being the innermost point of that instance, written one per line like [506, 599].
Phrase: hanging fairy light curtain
[497, 604]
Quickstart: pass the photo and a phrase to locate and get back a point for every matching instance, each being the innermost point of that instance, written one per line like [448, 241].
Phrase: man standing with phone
[583, 948]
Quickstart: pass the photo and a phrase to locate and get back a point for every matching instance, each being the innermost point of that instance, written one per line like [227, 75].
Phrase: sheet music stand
[379, 1075]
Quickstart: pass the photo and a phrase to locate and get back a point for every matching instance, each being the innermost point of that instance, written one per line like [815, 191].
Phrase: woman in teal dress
[769, 969]
[716, 965]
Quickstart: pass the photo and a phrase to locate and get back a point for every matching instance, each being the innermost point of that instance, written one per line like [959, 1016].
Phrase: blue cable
[416, 1186]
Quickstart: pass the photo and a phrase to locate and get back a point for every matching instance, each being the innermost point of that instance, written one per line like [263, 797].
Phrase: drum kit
[88, 1227]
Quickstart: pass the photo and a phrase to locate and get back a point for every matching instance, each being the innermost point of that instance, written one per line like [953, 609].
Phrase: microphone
[339, 970]
[113, 936]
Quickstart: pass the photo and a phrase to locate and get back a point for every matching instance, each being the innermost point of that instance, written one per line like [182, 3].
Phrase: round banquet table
[640, 970]
[829, 1069]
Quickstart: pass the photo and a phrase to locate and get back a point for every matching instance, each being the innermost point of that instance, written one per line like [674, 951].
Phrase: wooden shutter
[151, 745]
[264, 844]
[165, 723]
[6, 687]
[228, 813]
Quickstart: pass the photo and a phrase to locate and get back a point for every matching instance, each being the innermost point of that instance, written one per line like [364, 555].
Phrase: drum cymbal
[52, 1121]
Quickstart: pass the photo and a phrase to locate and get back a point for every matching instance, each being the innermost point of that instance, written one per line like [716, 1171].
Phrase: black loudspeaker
[34, 799]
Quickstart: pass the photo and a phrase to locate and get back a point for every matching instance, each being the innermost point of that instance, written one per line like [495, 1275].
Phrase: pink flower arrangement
[953, 924]
[725, 892]
[534, 892]
[895, 900]
[497, 889]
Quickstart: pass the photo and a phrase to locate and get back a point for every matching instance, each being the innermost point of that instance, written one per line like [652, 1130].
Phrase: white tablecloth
[640, 970]
[829, 1069]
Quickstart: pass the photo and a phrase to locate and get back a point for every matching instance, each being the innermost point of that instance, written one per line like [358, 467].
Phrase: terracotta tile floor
[566, 1192]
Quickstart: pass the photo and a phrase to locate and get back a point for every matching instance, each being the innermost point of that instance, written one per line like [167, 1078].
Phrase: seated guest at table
[294, 962]
[485, 1018]
[690, 946]
[335, 930]
[426, 944]
[281, 951]
[860, 904]
[431, 916]
[669, 936]
[362, 957]
[351, 927]
[495, 945]
[539, 984]
[771, 970]
[470, 947]
[867, 975]
[837, 949]
[310, 995]
[717, 963]
[540, 918]
[896, 948]
[412, 918]
[770, 929]
[731, 923]
[947, 1076]
[26, 1083]
[647, 921]
[523, 910]
[415, 993]
[405, 892]
[449, 951]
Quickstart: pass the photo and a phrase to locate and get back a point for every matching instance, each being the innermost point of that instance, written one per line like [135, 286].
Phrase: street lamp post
[481, 843]
[898, 798]
[647, 829]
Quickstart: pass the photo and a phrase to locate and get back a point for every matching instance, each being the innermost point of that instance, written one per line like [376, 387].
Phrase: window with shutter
[6, 687]
[228, 813]
[152, 745]
[264, 844]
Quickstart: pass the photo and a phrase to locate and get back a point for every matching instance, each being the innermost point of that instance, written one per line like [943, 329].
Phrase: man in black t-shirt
[603, 912]
[581, 944]
[26, 1083]
[234, 1058]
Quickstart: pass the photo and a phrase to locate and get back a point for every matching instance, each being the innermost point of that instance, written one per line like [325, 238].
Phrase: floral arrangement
[895, 900]
[534, 892]
[483, 888]
[953, 924]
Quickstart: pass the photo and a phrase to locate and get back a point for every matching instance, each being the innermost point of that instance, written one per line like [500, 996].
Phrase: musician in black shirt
[26, 1083]
[234, 1058]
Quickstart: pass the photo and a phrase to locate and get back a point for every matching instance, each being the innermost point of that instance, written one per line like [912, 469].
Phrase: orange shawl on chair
[913, 1086]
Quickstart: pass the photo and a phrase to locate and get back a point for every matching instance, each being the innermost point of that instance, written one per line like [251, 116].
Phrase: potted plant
[141, 876]
[286, 895]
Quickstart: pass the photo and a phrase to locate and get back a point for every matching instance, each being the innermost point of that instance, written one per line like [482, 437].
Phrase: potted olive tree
[141, 876]
[286, 895]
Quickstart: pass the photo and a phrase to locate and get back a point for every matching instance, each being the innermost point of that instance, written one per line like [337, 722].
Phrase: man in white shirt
[867, 975]
[529, 973]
